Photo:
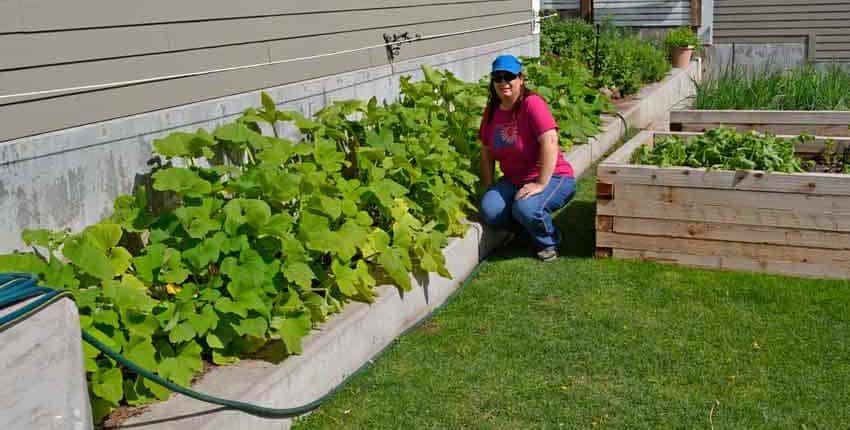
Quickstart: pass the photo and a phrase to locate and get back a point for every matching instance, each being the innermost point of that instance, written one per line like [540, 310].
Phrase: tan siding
[562, 4]
[50, 15]
[643, 13]
[828, 21]
[68, 58]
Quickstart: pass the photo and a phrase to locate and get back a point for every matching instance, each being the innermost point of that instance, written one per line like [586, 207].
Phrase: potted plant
[681, 42]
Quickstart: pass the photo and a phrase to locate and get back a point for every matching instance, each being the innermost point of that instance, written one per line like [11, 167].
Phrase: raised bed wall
[820, 123]
[791, 224]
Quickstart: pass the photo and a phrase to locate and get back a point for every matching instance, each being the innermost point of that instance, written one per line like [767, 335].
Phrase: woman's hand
[529, 190]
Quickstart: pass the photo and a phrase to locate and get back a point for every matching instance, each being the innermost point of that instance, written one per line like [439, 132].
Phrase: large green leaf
[252, 327]
[128, 293]
[204, 321]
[393, 261]
[182, 332]
[206, 252]
[22, 263]
[253, 212]
[104, 235]
[299, 273]
[182, 181]
[87, 254]
[291, 329]
[140, 350]
[107, 384]
[181, 366]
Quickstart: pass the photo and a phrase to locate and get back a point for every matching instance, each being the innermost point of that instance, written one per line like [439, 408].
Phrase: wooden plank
[605, 223]
[761, 117]
[604, 191]
[804, 203]
[31, 50]
[699, 261]
[50, 15]
[624, 154]
[50, 114]
[805, 183]
[725, 232]
[635, 206]
[815, 146]
[806, 270]
[786, 129]
[759, 252]
[586, 10]
[696, 13]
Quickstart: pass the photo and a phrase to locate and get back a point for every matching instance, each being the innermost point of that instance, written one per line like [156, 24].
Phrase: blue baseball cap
[508, 63]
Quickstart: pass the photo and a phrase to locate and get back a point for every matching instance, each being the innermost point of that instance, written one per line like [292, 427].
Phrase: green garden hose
[16, 288]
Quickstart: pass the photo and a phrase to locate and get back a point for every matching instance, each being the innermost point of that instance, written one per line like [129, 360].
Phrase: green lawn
[586, 343]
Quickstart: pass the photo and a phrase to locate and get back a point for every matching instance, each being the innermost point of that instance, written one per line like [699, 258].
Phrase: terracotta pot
[681, 56]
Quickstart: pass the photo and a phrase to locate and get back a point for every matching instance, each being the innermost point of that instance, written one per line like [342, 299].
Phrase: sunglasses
[503, 76]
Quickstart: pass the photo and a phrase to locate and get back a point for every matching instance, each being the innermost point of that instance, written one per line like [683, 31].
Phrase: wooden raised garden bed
[785, 223]
[819, 123]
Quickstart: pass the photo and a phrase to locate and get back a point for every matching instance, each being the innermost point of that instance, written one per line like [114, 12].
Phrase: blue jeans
[498, 208]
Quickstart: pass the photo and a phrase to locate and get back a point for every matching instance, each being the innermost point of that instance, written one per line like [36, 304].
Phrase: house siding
[827, 23]
[643, 13]
[49, 44]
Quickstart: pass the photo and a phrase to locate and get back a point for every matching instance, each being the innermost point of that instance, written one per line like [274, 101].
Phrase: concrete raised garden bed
[793, 224]
[819, 123]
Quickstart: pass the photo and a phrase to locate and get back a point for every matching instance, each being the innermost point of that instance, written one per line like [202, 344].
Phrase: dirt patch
[125, 412]
[430, 327]
[122, 414]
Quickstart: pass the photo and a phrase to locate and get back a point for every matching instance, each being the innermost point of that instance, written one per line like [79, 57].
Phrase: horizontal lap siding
[643, 13]
[119, 41]
[562, 4]
[828, 20]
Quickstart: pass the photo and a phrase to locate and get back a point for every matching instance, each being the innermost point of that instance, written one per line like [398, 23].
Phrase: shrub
[624, 62]
[681, 37]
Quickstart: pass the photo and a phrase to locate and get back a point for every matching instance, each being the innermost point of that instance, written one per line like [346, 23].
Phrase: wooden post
[696, 13]
[587, 10]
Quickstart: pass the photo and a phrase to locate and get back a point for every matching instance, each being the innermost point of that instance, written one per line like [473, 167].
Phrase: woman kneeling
[519, 132]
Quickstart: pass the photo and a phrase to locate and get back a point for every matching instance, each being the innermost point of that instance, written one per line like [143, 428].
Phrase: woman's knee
[527, 211]
[493, 208]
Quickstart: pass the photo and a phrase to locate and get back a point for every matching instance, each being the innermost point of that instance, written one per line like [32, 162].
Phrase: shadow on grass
[577, 223]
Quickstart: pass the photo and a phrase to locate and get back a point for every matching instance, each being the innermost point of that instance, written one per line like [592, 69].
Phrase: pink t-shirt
[513, 141]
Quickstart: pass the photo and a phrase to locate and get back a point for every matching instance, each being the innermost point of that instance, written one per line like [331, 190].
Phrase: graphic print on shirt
[505, 135]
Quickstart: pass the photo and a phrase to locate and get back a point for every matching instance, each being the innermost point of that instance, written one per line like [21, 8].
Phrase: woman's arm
[488, 165]
[548, 159]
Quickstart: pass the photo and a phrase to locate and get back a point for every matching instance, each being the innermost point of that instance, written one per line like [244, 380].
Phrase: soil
[837, 166]
[125, 412]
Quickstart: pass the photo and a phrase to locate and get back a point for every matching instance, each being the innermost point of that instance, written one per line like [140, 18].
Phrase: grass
[588, 343]
[801, 88]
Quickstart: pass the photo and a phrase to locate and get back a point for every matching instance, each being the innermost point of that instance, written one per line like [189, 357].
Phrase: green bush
[724, 148]
[567, 85]
[681, 37]
[625, 61]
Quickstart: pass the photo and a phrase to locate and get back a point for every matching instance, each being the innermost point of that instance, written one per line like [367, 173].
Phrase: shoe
[551, 253]
[547, 254]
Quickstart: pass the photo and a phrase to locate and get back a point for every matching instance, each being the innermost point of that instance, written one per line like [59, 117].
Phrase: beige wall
[48, 44]
[824, 25]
